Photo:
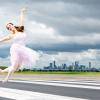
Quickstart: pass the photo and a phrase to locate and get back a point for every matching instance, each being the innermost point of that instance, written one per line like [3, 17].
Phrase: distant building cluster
[54, 66]
[76, 66]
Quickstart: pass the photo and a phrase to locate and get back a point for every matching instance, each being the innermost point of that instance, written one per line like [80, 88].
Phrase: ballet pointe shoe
[0, 70]
[5, 81]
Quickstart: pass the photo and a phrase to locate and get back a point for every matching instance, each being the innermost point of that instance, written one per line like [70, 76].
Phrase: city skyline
[75, 66]
[75, 63]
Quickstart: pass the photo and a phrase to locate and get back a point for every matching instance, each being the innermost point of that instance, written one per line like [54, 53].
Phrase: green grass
[61, 73]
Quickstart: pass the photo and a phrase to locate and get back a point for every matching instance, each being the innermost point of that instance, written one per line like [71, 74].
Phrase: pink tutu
[23, 55]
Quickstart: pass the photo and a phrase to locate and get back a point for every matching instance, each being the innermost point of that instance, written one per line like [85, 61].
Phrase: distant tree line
[42, 70]
[3, 67]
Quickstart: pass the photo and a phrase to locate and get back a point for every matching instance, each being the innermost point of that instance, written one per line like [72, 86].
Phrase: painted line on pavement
[58, 84]
[29, 95]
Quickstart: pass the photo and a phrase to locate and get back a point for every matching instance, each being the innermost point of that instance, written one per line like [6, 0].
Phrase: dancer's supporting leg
[10, 71]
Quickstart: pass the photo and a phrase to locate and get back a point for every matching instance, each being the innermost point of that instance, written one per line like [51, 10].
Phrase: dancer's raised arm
[22, 15]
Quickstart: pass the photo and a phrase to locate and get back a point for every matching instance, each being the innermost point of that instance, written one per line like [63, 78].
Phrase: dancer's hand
[23, 10]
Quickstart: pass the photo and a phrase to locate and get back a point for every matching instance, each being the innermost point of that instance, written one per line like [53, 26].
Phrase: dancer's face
[10, 27]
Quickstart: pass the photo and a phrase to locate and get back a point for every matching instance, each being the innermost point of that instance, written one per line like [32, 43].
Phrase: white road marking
[59, 84]
[83, 83]
[29, 95]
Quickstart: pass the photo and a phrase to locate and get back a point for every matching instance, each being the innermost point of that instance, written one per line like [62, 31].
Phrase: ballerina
[20, 54]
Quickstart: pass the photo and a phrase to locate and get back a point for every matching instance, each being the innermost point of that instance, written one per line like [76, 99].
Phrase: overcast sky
[64, 30]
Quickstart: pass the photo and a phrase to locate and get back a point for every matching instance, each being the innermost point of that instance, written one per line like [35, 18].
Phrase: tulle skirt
[22, 55]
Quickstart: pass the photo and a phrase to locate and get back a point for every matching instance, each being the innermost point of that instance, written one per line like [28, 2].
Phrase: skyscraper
[50, 65]
[76, 65]
[54, 64]
[89, 65]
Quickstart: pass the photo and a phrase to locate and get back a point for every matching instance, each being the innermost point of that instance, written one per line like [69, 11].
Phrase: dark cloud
[83, 2]
[60, 16]
[64, 47]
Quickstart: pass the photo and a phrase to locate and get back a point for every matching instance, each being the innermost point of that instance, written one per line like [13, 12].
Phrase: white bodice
[19, 38]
